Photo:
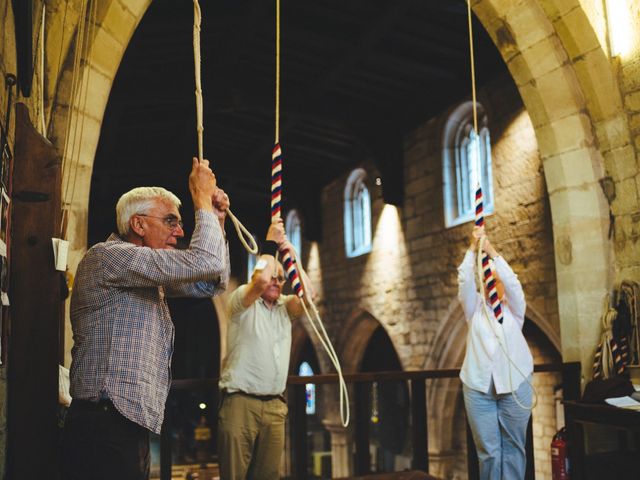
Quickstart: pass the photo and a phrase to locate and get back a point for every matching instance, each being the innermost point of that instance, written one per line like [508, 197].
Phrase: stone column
[341, 457]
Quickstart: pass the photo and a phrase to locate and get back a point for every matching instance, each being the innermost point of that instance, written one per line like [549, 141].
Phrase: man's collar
[279, 301]
[114, 237]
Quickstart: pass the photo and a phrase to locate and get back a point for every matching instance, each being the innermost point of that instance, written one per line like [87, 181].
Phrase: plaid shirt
[122, 330]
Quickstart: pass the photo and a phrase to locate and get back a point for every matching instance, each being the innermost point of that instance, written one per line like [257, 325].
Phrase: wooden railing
[361, 383]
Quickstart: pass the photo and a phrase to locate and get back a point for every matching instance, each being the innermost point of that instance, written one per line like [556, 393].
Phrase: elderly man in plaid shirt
[122, 330]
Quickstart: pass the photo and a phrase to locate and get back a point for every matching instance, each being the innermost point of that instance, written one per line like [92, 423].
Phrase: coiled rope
[244, 235]
[292, 263]
[484, 269]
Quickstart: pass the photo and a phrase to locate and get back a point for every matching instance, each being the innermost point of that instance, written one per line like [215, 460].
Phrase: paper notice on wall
[60, 253]
[5, 206]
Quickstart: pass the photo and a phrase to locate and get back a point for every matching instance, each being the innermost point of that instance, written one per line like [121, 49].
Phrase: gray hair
[140, 200]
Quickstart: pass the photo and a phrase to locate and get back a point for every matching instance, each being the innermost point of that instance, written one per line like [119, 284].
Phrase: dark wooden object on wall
[35, 307]
[23, 16]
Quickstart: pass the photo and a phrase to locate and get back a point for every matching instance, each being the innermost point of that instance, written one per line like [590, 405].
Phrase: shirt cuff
[205, 217]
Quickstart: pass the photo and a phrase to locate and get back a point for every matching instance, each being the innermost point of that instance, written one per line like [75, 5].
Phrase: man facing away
[122, 330]
[254, 375]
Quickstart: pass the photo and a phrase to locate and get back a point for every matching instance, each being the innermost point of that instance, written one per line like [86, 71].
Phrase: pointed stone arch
[299, 337]
[553, 54]
[354, 338]
[116, 21]
[443, 398]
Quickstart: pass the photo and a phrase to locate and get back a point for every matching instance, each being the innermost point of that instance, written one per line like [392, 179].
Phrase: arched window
[466, 160]
[357, 214]
[251, 262]
[305, 370]
[293, 228]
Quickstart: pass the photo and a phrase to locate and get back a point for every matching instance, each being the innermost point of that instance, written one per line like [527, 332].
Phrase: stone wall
[408, 281]
[625, 170]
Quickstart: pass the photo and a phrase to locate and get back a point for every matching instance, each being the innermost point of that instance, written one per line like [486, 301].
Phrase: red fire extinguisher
[560, 456]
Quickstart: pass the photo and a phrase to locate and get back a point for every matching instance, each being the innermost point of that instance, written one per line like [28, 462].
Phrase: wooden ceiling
[356, 76]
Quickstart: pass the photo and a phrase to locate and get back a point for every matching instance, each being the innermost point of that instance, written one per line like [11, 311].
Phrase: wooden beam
[23, 17]
[373, 34]
[35, 289]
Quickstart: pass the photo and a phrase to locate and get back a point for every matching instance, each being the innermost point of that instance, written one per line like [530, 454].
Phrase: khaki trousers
[250, 437]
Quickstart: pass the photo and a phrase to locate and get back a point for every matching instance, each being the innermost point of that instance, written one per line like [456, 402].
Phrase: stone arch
[116, 23]
[448, 352]
[553, 62]
[354, 338]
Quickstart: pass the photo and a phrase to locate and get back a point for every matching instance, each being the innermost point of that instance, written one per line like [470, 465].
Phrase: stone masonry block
[612, 132]
[520, 69]
[560, 93]
[632, 101]
[528, 22]
[626, 201]
[532, 98]
[544, 56]
[107, 52]
[136, 7]
[94, 102]
[576, 32]
[570, 169]
[558, 8]
[120, 21]
[565, 134]
[599, 85]
[634, 123]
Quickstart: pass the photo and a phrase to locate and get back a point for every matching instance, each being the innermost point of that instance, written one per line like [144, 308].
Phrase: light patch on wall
[518, 132]
[622, 35]
[387, 266]
[314, 268]
[388, 232]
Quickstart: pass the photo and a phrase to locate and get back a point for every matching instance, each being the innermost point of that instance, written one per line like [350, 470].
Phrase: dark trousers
[98, 443]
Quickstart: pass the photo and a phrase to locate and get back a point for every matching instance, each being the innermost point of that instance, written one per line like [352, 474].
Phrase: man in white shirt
[253, 410]
[497, 367]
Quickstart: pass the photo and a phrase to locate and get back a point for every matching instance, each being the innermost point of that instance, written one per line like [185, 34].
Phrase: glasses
[279, 278]
[170, 221]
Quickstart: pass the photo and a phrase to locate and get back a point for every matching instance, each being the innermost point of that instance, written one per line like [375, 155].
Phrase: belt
[264, 398]
[89, 406]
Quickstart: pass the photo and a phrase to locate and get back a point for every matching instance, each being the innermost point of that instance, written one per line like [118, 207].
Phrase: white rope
[322, 335]
[79, 91]
[503, 343]
[92, 19]
[247, 240]
[314, 319]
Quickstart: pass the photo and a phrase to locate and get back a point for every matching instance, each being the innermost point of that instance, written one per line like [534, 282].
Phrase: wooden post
[571, 373]
[362, 417]
[530, 473]
[298, 431]
[473, 468]
[420, 434]
[35, 288]
[165, 443]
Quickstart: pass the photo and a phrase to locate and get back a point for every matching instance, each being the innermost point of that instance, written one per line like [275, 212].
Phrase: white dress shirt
[485, 358]
[259, 344]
